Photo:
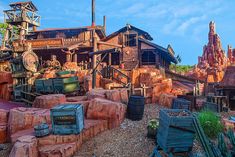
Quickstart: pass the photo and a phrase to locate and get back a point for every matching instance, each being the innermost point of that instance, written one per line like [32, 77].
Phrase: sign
[38, 43]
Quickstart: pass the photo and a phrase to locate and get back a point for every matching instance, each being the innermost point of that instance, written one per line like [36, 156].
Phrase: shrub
[210, 123]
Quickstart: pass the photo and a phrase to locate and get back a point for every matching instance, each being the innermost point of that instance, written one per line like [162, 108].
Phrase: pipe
[104, 24]
[93, 13]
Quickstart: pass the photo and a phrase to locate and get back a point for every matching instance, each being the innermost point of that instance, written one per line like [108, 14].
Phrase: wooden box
[176, 132]
[180, 103]
[39, 85]
[48, 86]
[65, 85]
[67, 119]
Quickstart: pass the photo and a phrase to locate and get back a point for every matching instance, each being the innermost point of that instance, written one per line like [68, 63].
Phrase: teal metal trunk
[176, 132]
[48, 86]
[65, 85]
[39, 85]
[67, 119]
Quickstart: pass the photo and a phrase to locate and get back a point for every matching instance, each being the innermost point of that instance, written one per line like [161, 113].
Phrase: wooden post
[75, 57]
[104, 24]
[110, 59]
[94, 60]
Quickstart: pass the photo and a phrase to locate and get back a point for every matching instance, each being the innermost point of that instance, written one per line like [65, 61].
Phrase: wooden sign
[46, 43]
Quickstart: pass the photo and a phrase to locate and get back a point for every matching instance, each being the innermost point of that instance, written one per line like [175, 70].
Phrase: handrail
[110, 71]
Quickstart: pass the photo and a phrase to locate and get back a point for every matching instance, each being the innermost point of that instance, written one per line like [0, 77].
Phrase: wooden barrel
[41, 130]
[135, 108]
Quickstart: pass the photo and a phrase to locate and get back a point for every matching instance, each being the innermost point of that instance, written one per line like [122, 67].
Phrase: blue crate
[175, 133]
[180, 103]
[39, 85]
[48, 86]
[67, 119]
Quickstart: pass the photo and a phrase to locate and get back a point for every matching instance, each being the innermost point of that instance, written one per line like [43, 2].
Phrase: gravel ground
[5, 149]
[128, 140]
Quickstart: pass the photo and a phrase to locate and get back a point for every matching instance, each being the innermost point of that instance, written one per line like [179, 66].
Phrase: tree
[3, 28]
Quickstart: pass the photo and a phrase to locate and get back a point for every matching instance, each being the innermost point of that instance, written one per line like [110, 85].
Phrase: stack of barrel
[135, 108]
[5, 85]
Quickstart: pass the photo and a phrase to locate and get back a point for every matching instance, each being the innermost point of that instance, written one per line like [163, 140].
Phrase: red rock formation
[213, 61]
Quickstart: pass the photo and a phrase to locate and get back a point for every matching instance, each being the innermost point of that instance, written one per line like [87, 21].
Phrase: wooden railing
[112, 73]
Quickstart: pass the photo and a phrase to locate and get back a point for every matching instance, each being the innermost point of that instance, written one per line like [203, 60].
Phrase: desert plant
[210, 123]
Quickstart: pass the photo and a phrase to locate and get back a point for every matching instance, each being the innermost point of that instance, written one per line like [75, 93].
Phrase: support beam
[94, 59]
[110, 44]
[103, 52]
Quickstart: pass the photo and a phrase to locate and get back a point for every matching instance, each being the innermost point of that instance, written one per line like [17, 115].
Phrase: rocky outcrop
[213, 61]
[49, 101]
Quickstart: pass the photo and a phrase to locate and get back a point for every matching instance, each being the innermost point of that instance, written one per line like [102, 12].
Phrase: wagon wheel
[30, 61]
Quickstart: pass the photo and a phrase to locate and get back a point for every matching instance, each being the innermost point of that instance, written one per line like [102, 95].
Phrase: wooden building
[137, 49]
[227, 86]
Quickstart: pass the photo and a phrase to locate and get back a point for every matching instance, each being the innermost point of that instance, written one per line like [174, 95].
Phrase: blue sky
[181, 23]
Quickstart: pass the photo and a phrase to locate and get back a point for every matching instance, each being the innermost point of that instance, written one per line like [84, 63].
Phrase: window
[131, 40]
[148, 58]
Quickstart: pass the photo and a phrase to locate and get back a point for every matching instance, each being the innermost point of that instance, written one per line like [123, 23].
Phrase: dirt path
[126, 141]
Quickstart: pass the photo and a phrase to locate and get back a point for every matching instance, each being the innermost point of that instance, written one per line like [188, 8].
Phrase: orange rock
[6, 77]
[87, 83]
[103, 109]
[25, 118]
[3, 133]
[77, 98]
[166, 100]
[4, 116]
[59, 150]
[104, 81]
[96, 93]
[26, 132]
[49, 101]
[113, 95]
[25, 146]
[112, 85]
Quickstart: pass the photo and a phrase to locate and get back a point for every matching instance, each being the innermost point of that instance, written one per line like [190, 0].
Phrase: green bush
[210, 123]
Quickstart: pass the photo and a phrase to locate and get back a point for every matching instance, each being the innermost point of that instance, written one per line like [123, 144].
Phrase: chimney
[93, 13]
[104, 24]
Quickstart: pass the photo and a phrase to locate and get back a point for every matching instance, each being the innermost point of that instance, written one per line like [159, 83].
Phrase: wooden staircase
[110, 72]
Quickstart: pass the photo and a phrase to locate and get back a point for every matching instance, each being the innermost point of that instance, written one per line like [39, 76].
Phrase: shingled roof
[163, 51]
[130, 27]
[228, 80]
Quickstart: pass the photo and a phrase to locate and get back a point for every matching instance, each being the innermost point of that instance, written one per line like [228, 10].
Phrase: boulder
[4, 115]
[26, 132]
[49, 101]
[91, 129]
[104, 81]
[25, 146]
[124, 96]
[59, 150]
[6, 77]
[113, 95]
[77, 98]
[96, 93]
[22, 118]
[87, 83]
[103, 109]
[166, 100]
[3, 133]
[113, 85]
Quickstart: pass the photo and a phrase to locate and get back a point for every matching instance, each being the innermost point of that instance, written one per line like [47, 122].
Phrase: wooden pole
[104, 24]
[94, 60]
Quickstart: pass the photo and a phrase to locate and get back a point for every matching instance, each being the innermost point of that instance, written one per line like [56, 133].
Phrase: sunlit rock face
[213, 62]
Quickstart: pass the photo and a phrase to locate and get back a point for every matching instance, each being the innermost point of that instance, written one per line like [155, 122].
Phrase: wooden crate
[212, 107]
[67, 119]
[180, 103]
[65, 85]
[39, 85]
[48, 86]
[175, 133]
